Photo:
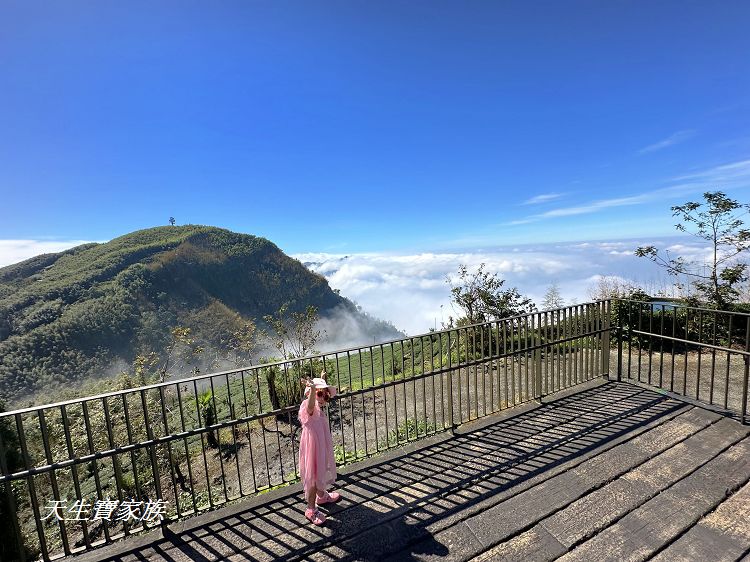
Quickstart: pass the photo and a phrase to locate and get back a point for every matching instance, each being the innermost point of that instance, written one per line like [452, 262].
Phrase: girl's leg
[312, 513]
[325, 497]
[311, 495]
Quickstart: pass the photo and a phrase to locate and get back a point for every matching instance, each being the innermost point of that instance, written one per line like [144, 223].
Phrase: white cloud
[678, 137]
[688, 249]
[732, 175]
[739, 170]
[542, 198]
[409, 289]
[590, 207]
[14, 251]
[595, 206]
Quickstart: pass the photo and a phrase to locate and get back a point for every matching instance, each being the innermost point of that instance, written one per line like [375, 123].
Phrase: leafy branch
[718, 220]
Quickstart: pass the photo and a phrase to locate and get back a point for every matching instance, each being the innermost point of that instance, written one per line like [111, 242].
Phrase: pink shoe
[333, 497]
[315, 516]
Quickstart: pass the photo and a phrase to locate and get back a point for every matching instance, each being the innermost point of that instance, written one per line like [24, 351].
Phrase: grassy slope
[68, 316]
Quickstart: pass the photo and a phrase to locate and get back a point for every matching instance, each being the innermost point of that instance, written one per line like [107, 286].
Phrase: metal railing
[185, 446]
[701, 354]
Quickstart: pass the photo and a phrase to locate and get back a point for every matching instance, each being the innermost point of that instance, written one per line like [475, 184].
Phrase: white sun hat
[320, 383]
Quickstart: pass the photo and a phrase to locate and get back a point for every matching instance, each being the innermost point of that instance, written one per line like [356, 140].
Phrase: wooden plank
[535, 544]
[506, 519]
[495, 524]
[655, 524]
[599, 509]
[722, 535]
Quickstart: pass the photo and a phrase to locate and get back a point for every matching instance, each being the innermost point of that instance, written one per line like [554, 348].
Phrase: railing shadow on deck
[414, 489]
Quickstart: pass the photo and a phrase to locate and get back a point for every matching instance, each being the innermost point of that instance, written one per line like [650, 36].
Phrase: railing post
[537, 342]
[605, 309]
[152, 451]
[10, 498]
[450, 386]
[619, 332]
[743, 406]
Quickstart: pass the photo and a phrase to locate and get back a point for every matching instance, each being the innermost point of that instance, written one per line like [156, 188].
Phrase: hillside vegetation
[79, 314]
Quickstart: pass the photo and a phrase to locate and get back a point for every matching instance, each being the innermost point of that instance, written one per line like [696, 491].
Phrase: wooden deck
[610, 471]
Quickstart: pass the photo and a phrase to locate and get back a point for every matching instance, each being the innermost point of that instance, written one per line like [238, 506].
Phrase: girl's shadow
[373, 535]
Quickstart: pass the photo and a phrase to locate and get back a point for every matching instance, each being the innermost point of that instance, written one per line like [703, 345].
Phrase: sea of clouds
[411, 290]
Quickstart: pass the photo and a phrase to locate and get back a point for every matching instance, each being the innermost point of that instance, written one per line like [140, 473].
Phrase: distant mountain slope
[68, 316]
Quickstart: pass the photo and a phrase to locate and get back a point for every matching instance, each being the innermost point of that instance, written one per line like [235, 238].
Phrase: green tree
[553, 298]
[179, 353]
[242, 344]
[481, 297]
[181, 346]
[718, 221]
[208, 414]
[612, 287]
[295, 336]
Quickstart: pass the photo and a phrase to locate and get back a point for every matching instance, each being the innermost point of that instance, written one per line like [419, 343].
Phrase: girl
[317, 465]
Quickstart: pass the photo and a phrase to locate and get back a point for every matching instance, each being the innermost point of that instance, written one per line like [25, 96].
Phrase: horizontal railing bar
[250, 368]
[141, 445]
[691, 342]
[525, 350]
[684, 306]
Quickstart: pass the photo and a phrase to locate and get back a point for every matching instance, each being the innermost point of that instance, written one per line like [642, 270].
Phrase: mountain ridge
[69, 316]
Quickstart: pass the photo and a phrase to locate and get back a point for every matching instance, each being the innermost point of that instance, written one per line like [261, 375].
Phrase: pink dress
[317, 464]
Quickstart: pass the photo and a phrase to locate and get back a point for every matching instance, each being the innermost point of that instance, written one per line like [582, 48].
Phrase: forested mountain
[73, 315]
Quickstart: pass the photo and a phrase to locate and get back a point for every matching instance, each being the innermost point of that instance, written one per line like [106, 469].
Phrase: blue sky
[370, 126]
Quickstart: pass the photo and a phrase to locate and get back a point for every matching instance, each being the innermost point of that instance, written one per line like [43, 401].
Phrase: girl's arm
[311, 398]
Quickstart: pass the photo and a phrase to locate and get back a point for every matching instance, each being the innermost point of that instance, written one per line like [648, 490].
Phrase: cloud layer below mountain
[411, 291]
